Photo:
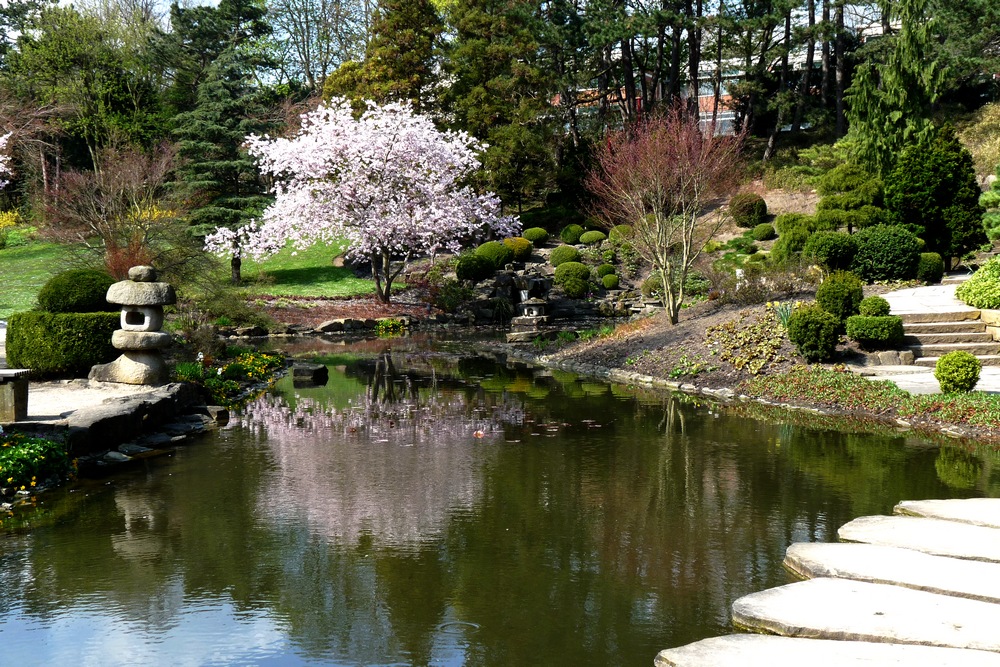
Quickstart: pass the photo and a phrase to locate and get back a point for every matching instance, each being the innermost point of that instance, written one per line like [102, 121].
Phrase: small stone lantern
[140, 339]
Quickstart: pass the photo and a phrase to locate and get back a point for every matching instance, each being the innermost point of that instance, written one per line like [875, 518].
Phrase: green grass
[308, 273]
[23, 271]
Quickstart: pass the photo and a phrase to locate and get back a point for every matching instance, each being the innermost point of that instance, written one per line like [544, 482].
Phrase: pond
[426, 509]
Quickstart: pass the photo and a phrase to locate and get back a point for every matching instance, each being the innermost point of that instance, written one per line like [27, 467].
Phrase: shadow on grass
[309, 276]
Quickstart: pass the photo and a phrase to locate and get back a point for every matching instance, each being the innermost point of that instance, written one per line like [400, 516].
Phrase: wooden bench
[13, 394]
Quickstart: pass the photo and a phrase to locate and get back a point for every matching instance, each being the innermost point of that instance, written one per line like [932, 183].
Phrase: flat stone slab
[771, 651]
[859, 611]
[933, 536]
[901, 567]
[977, 511]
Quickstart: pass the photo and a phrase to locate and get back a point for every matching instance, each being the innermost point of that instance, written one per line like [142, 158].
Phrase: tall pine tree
[218, 177]
[891, 103]
[500, 94]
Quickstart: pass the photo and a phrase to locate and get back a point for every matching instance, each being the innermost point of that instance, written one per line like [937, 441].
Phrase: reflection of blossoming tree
[393, 465]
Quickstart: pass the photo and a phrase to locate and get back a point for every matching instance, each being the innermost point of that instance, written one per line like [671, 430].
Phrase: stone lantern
[142, 300]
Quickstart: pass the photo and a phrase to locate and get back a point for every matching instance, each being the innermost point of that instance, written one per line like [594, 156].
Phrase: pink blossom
[389, 182]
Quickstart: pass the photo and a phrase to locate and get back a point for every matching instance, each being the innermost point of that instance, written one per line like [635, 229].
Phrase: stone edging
[727, 395]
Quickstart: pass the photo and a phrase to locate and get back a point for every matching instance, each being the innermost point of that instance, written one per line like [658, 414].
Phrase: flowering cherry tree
[4, 160]
[389, 182]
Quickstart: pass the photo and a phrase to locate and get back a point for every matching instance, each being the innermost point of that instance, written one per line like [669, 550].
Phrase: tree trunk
[694, 55]
[824, 83]
[841, 73]
[717, 87]
[804, 91]
[772, 141]
[235, 269]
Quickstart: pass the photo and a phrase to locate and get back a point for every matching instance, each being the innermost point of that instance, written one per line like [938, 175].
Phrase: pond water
[421, 509]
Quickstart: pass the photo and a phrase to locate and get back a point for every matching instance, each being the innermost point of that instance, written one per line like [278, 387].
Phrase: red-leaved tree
[663, 176]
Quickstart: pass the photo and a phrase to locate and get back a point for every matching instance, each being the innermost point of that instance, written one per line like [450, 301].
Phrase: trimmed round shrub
[813, 331]
[748, 209]
[610, 281]
[875, 332]
[788, 246]
[76, 291]
[520, 246]
[496, 253]
[834, 250]
[930, 268]
[874, 306]
[570, 234]
[605, 270]
[474, 267]
[743, 244]
[592, 237]
[886, 252]
[568, 270]
[575, 288]
[537, 235]
[652, 287]
[982, 289]
[620, 233]
[60, 344]
[841, 294]
[563, 253]
[764, 232]
[957, 371]
[786, 222]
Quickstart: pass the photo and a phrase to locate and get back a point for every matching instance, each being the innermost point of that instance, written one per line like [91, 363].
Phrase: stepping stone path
[918, 588]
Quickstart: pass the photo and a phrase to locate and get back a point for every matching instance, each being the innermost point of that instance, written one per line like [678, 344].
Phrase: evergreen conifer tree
[218, 177]
[933, 191]
[500, 94]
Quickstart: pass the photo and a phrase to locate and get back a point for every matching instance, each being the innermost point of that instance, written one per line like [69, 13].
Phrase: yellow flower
[32, 483]
[10, 479]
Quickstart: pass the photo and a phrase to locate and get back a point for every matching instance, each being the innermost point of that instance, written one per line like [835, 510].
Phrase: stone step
[931, 339]
[900, 567]
[985, 349]
[977, 511]
[934, 536]
[772, 651]
[952, 316]
[842, 609]
[984, 359]
[964, 326]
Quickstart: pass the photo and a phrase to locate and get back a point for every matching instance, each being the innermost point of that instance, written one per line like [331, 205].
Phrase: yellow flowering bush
[27, 461]
[9, 219]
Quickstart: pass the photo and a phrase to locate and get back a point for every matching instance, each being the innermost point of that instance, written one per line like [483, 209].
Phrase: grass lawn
[308, 273]
[23, 271]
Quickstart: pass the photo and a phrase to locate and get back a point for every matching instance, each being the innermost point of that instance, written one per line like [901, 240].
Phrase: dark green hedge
[60, 344]
[882, 332]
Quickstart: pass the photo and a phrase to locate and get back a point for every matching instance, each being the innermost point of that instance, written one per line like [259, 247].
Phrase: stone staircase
[930, 335]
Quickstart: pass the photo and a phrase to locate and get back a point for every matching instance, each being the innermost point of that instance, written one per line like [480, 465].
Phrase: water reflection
[365, 523]
[391, 467]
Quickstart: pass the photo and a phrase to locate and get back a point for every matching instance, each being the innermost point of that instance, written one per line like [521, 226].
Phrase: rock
[976, 511]
[142, 274]
[251, 332]
[933, 536]
[131, 449]
[140, 340]
[858, 611]
[115, 457]
[130, 293]
[889, 358]
[310, 373]
[906, 357]
[771, 651]
[133, 367]
[331, 326]
[901, 567]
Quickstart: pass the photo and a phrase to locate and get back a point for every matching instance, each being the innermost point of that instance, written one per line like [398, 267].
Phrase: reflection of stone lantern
[140, 339]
